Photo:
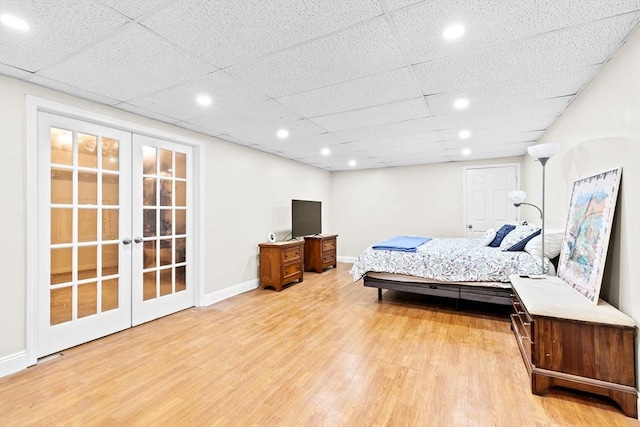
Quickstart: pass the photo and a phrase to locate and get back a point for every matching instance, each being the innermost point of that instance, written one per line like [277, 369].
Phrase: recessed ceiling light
[466, 152]
[203, 100]
[14, 22]
[461, 103]
[283, 133]
[325, 151]
[464, 134]
[352, 163]
[453, 32]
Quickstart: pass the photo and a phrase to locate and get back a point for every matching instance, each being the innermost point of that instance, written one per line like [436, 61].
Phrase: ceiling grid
[370, 80]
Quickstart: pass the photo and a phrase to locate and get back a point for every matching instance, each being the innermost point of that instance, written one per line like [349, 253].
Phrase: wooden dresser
[320, 252]
[567, 341]
[281, 263]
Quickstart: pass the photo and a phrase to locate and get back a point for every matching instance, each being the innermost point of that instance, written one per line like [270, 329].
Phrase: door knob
[470, 226]
[138, 240]
[126, 241]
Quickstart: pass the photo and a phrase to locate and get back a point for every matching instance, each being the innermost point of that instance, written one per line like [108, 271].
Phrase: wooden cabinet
[567, 341]
[281, 263]
[320, 252]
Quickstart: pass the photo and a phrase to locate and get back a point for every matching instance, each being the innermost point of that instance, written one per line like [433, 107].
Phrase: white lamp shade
[543, 151]
[517, 196]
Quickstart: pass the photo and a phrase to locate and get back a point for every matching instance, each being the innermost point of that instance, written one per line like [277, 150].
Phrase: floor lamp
[542, 152]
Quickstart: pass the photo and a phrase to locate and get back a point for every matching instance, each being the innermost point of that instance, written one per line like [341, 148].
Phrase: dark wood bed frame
[493, 295]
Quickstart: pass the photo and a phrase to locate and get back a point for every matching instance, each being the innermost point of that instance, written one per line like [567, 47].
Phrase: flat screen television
[306, 218]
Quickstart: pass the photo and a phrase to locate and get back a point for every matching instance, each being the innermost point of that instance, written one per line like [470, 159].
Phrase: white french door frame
[464, 188]
[34, 105]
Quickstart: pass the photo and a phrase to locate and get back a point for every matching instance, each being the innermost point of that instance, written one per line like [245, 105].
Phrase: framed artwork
[586, 239]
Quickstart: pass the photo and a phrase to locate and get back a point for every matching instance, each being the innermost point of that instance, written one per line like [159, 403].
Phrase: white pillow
[552, 244]
[488, 237]
[518, 235]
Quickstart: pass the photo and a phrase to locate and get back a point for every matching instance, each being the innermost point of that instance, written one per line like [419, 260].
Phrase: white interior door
[163, 274]
[487, 203]
[113, 248]
[84, 269]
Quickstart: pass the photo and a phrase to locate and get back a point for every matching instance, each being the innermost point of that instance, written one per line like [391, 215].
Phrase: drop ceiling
[371, 80]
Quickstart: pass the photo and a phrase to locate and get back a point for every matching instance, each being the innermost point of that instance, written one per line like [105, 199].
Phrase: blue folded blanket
[401, 243]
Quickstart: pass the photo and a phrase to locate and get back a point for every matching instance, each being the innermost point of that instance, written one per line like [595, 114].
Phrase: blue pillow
[501, 234]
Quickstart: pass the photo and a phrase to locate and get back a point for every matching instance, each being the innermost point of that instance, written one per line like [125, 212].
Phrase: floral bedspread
[450, 260]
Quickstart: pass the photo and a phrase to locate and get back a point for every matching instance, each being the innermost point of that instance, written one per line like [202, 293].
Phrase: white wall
[247, 194]
[373, 205]
[598, 132]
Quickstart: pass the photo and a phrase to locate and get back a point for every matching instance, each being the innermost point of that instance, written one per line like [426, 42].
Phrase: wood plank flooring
[322, 352]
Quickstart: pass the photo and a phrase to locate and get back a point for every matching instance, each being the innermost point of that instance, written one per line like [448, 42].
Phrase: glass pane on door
[84, 215]
[164, 213]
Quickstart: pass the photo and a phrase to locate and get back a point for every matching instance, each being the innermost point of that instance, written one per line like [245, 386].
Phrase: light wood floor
[322, 352]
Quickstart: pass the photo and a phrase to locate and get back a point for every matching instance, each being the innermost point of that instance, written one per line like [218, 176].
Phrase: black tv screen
[306, 218]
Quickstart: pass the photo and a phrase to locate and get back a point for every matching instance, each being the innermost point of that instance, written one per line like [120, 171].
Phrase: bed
[458, 268]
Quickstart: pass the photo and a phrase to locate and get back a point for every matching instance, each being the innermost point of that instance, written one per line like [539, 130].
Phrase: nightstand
[281, 263]
[320, 252]
[565, 340]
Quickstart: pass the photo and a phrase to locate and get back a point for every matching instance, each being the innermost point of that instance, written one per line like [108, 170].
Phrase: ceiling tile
[205, 131]
[15, 72]
[456, 155]
[389, 130]
[147, 113]
[431, 148]
[58, 29]
[228, 32]
[414, 159]
[544, 54]
[359, 51]
[552, 85]
[256, 115]
[134, 9]
[299, 131]
[227, 93]
[496, 130]
[399, 141]
[312, 149]
[395, 112]
[398, 4]
[484, 142]
[72, 90]
[491, 23]
[391, 86]
[132, 63]
[495, 116]
[343, 164]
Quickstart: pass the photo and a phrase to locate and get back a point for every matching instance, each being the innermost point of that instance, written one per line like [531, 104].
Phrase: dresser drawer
[329, 245]
[291, 254]
[521, 323]
[328, 257]
[289, 270]
[523, 335]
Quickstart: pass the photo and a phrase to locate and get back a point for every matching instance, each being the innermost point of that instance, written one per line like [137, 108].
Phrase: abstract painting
[586, 240]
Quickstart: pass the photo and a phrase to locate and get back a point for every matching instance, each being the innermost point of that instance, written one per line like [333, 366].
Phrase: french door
[113, 240]
[161, 220]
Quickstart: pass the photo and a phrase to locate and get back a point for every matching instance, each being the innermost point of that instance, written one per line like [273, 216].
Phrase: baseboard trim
[231, 291]
[13, 363]
[348, 259]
